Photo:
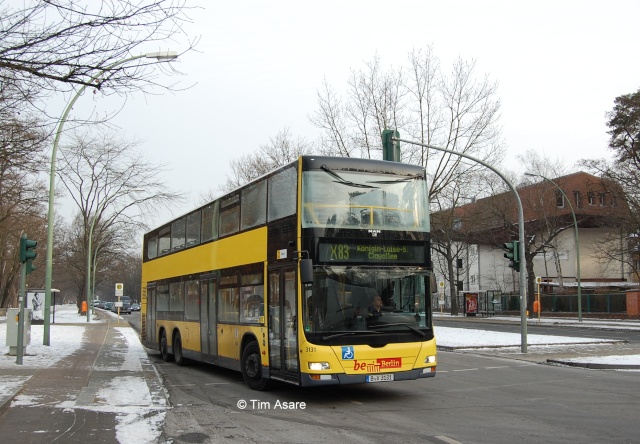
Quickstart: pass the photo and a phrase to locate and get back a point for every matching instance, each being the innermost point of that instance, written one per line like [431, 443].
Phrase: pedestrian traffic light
[390, 148]
[513, 254]
[27, 252]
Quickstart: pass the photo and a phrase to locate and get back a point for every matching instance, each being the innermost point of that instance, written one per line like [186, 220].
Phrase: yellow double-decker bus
[315, 274]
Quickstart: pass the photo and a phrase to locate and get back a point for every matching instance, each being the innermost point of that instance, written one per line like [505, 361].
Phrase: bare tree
[331, 118]
[113, 187]
[457, 112]
[281, 150]
[45, 45]
[21, 200]
[353, 128]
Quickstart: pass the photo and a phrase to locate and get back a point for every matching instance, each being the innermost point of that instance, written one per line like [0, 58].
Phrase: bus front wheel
[252, 367]
[164, 347]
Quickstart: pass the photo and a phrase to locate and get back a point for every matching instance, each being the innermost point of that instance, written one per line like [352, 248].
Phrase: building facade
[477, 232]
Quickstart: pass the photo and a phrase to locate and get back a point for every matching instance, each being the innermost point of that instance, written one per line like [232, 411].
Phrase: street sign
[119, 290]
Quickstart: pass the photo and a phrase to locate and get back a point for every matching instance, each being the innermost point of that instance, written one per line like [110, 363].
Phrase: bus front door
[282, 312]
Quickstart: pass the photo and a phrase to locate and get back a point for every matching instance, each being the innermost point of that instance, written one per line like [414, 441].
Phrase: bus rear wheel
[164, 347]
[177, 349]
[251, 367]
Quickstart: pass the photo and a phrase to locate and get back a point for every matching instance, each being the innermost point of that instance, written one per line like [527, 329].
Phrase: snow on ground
[470, 338]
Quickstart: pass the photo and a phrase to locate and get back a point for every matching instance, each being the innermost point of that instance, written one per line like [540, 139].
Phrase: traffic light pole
[22, 305]
[523, 287]
[27, 255]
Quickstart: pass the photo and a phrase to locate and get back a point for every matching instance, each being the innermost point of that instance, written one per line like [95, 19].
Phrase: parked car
[135, 307]
[108, 305]
[126, 305]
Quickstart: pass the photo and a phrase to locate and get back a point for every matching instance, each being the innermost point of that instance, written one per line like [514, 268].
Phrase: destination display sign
[360, 252]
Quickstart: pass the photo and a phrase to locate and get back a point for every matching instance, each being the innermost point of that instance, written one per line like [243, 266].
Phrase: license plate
[380, 378]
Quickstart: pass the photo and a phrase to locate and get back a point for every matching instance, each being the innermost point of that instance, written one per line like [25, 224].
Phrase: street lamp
[167, 55]
[575, 228]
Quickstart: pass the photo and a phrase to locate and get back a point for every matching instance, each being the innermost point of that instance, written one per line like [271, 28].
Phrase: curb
[5, 400]
[497, 347]
[595, 366]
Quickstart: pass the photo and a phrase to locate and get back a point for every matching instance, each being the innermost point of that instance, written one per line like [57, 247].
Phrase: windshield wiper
[347, 333]
[343, 181]
[413, 329]
[403, 179]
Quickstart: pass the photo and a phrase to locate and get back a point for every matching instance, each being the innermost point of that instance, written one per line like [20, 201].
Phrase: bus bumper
[309, 380]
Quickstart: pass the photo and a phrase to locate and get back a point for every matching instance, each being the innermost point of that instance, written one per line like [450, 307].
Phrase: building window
[603, 199]
[578, 198]
[559, 199]
[591, 197]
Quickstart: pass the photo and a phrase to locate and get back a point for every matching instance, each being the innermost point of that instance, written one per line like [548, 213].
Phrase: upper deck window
[282, 194]
[355, 200]
[177, 234]
[254, 205]
[210, 215]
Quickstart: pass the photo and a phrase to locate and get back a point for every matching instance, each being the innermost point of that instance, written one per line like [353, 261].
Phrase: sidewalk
[105, 390]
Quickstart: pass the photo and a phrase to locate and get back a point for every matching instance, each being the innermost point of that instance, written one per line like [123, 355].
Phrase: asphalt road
[473, 399]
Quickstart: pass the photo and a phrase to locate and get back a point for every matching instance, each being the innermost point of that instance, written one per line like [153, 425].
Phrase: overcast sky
[559, 66]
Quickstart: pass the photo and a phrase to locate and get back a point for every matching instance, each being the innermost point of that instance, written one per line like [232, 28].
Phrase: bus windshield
[356, 200]
[360, 300]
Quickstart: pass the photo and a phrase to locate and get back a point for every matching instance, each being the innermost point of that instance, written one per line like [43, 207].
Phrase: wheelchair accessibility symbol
[347, 352]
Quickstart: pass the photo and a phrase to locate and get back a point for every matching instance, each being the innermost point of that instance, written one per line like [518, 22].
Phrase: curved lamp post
[167, 55]
[575, 229]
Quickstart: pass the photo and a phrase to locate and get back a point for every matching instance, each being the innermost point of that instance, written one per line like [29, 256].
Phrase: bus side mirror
[432, 283]
[306, 271]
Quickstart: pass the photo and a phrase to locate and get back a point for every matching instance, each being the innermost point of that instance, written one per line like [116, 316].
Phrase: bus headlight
[315, 366]
[431, 359]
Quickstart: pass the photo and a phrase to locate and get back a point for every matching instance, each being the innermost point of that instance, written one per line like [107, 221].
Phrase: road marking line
[447, 439]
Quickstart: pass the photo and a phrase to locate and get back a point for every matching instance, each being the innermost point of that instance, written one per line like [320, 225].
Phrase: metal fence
[495, 301]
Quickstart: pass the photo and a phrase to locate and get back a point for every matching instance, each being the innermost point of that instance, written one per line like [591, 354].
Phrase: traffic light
[513, 253]
[27, 252]
[390, 148]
